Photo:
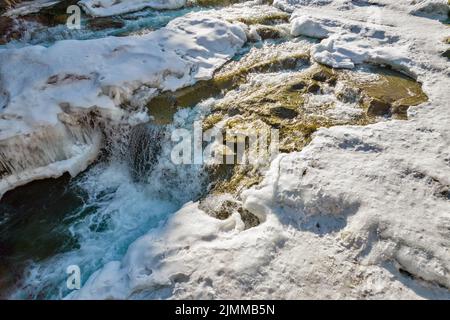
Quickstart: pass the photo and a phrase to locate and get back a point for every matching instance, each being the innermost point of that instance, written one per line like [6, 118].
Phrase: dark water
[33, 224]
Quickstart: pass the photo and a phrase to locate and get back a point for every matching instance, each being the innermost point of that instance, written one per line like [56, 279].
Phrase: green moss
[213, 3]
[166, 104]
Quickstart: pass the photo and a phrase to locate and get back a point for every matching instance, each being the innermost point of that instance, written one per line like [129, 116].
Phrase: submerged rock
[270, 32]
[104, 23]
[313, 88]
[223, 206]
[283, 112]
[390, 92]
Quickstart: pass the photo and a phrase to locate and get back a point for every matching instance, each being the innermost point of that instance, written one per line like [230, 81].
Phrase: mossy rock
[224, 208]
[377, 107]
[213, 3]
[104, 23]
[53, 15]
[270, 32]
[281, 105]
[313, 88]
[164, 106]
[390, 88]
[283, 112]
[322, 73]
[8, 31]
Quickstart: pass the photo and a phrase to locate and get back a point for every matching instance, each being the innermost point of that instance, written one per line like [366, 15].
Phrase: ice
[308, 27]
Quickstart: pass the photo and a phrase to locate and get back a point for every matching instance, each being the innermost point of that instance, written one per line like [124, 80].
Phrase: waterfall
[144, 149]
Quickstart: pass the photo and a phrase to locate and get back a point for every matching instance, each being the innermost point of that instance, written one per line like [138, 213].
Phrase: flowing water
[90, 220]
[36, 32]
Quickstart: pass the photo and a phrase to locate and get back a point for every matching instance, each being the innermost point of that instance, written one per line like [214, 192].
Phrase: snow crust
[43, 88]
[103, 8]
[361, 212]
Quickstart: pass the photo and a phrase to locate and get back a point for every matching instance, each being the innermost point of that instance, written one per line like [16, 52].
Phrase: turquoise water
[138, 22]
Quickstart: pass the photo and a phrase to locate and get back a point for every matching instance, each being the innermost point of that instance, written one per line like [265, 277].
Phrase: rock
[269, 32]
[446, 54]
[401, 110]
[249, 219]
[313, 88]
[104, 23]
[7, 4]
[321, 76]
[52, 15]
[378, 107]
[298, 86]
[283, 112]
[233, 112]
[8, 30]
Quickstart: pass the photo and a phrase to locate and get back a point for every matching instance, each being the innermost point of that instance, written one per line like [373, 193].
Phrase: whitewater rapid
[118, 206]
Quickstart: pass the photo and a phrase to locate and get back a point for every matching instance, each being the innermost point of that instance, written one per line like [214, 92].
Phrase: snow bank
[39, 86]
[28, 7]
[434, 9]
[349, 42]
[362, 212]
[306, 26]
[103, 8]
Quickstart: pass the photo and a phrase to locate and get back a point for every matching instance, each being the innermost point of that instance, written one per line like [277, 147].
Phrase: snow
[308, 27]
[103, 8]
[350, 42]
[42, 88]
[347, 217]
[29, 7]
